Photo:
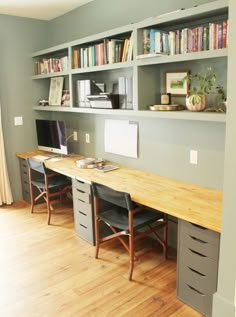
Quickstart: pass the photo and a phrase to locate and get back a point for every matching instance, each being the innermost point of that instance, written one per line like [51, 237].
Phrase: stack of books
[89, 163]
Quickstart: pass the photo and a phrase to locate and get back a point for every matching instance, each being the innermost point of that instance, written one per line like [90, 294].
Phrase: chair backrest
[36, 165]
[121, 199]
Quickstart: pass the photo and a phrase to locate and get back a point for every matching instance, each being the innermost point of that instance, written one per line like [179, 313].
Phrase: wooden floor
[48, 271]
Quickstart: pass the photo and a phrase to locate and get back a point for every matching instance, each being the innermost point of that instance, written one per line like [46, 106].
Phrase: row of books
[51, 65]
[207, 37]
[109, 51]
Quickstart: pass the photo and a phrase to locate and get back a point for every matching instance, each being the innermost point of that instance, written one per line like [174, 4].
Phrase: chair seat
[118, 217]
[53, 182]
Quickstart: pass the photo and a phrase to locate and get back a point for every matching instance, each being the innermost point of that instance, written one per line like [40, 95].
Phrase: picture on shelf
[175, 84]
[55, 91]
[65, 100]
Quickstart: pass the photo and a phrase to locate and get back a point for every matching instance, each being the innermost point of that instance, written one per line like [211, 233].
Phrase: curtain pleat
[5, 188]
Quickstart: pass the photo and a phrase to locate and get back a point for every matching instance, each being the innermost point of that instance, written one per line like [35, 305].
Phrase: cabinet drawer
[204, 234]
[199, 301]
[196, 242]
[26, 195]
[205, 284]
[82, 218]
[80, 205]
[25, 176]
[81, 192]
[79, 195]
[23, 165]
[84, 226]
[198, 262]
[82, 186]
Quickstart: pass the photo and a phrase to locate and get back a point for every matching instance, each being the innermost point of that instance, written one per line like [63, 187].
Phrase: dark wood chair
[125, 218]
[46, 184]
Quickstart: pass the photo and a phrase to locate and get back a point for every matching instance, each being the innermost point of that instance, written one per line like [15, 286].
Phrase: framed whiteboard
[121, 137]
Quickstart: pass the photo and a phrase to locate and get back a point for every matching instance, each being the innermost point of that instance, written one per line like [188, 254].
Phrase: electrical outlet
[18, 120]
[87, 138]
[75, 135]
[193, 157]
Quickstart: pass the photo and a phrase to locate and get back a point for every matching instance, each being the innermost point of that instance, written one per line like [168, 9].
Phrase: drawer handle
[195, 290]
[82, 213]
[197, 239]
[196, 271]
[80, 182]
[80, 191]
[195, 252]
[197, 226]
[83, 226]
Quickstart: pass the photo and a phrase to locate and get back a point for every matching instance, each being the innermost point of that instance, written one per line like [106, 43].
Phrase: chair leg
[131, 256]
[97, 240]
[31, 198]
[165, 236]
[131, 246]
[48, 209]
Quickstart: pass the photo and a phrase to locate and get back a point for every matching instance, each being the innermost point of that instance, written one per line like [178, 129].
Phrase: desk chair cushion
[53, 182]
[118, 217]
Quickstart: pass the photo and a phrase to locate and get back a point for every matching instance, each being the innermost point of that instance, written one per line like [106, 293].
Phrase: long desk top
[197, 204]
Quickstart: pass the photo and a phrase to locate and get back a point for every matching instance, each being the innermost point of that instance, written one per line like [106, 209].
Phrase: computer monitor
[51, 136]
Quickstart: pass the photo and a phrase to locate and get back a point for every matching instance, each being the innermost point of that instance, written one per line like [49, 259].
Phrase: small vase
[196, 102]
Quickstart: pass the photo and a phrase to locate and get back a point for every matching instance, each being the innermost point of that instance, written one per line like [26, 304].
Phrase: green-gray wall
[19, 37]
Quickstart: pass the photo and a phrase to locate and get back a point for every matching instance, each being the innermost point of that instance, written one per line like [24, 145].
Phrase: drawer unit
[83, 210]
[25, 180]
[197, 266]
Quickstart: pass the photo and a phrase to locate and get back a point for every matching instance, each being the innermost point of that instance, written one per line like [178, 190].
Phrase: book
[130, 48]
[76, 58]
[146, 41]
[107, 168]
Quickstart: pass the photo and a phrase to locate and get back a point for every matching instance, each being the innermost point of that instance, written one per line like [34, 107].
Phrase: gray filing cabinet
[83, 210]
[25, 180]
[197, 266]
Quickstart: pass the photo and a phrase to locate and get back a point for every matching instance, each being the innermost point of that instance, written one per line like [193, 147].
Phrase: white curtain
[5, 189]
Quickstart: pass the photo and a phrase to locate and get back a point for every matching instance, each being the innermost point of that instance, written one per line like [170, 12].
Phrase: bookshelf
[120, 53]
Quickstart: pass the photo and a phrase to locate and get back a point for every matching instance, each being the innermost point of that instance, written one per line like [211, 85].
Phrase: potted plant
[200, 86]
[222, 95]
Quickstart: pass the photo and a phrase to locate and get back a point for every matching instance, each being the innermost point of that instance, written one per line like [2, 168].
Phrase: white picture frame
[175, 83]
[55, 91]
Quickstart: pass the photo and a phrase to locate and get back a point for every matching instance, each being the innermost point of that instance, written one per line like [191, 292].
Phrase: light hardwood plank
[48, 271]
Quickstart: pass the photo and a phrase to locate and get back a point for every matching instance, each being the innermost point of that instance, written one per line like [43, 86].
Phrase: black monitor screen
[51, 136]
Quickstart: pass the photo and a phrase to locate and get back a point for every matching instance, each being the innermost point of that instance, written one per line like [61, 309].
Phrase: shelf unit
[147, 73]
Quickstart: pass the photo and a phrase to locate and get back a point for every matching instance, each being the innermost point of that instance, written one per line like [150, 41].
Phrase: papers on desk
[45, 157]
[55, 159]
[41, 157]
[121, 137]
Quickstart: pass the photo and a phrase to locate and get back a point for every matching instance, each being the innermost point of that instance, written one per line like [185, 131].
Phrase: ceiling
[39, 9]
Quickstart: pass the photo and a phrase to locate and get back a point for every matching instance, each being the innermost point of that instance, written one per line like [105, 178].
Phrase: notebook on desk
[107, 168]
